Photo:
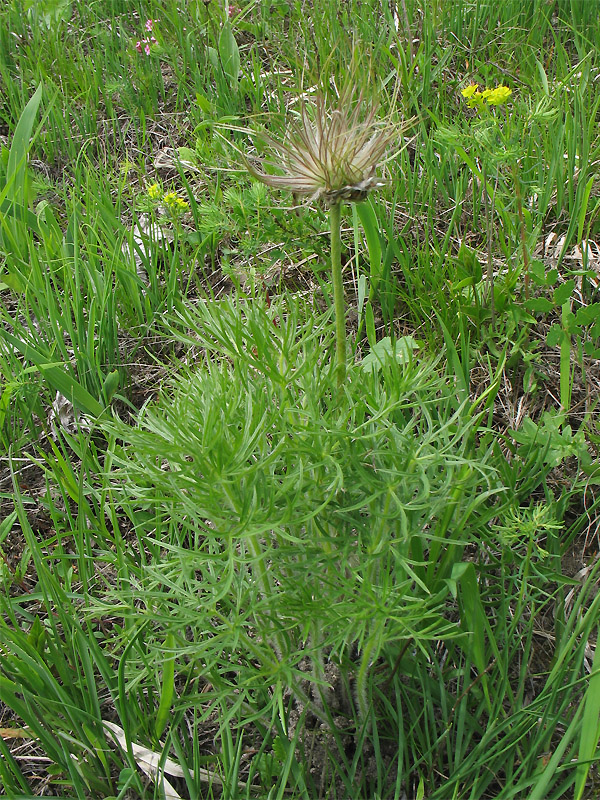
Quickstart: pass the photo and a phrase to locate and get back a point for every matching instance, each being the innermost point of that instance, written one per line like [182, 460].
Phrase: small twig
[475, 680]
[397, 664]
[407, 27]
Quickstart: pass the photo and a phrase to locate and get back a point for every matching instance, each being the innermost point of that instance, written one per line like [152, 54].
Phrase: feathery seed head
[330, 154]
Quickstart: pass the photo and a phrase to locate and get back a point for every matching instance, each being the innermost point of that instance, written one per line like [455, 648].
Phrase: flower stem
[521, 228]
[338, 291]
[490, 265]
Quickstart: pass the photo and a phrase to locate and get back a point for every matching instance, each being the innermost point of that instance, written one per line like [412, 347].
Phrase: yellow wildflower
[470, 91]
[499, 95]
[154, 191]
[473, 96]
[493, 97]
[175, 203]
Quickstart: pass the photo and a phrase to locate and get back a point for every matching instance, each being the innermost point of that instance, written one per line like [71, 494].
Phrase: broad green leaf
[14, 282]
[370, 324]
[204, 104]
[17, 158]
[58, 377]
[554, 335]
[537, 271]
[540, 304]
[468, 264]
[229, 54]
[588, 314]
[543, 76]
[473, 616]
[368, 220]
[362, 293]
[591, 351]
[14, 209]
[110, 385]
[563, 292]
[386, 350]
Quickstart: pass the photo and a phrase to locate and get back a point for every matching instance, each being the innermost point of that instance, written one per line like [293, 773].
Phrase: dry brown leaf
[16, 733]
[149, 760]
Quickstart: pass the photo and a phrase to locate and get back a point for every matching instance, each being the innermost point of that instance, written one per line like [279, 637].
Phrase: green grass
[207, 549]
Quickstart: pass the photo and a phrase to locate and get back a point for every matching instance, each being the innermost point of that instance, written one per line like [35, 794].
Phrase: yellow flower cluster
[154, 192]
[175, 203]
[493, 97]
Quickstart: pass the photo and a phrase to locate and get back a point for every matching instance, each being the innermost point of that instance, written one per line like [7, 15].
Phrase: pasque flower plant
[331, 154]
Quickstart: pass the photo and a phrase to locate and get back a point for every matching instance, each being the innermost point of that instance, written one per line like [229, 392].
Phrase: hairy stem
[262, 575]
[338, 291]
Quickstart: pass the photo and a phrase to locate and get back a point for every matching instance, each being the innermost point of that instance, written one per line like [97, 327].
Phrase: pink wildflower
[233, 10]
[149, 24]
[144, 45]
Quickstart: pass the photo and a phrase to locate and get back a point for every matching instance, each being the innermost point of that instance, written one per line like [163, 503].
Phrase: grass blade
[168, 688]
[590, 728]
[58, 377]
